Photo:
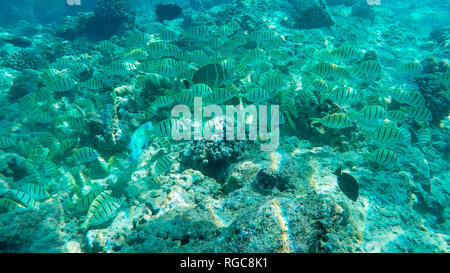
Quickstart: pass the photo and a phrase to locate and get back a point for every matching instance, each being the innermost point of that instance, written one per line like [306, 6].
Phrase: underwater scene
[224, 126]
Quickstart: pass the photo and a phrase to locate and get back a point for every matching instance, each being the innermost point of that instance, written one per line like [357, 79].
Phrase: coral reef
[26, 82]
[107, 19]
[43, 223]
[71, 109]
[23, 59]
[212, 157]
[436, 95]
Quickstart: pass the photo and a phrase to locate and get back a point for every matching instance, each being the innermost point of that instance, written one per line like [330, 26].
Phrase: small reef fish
[348, 184]
[140, 139]
[102, 209]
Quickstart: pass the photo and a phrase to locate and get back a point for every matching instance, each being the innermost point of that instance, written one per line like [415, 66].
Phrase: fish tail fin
[316, 120]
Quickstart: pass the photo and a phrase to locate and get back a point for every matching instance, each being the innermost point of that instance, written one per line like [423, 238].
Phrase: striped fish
[230, 86]
[44, 94]
[7, 141]
[85, 201]
[37, 154]
[397, 115]
[276, 43]
[138, 39]
[197, 32]
[411, 67]
[171, 50]
[70, 185]
[78, 68]
[224, 31]
[321, 86]
[343, 94]
[406, 135]
[215, 43]
[371, 113]
[68, 143]
[151, 111]
[419, 113]
[444, 77]
[24, 198]
[85, 154]
[323, 69]
[47, 139]
[92, 84]
[185, 99]
[253, 55]
[78, 124]
[297, 37]
[51, 74]
[233, 25]
[307, 94]
[240, 40]
[156, 48]
[36, 191]
[164, 127]
[262, 35]
[64, 62]
[273, 82]
[163, 164]
[8, 204]
[42, 116]
[62, 84]
[343, 52]
[366, 69]
[211, 74]
[102, 209]
[399, 94]
[51, 169]
[416, 99]
[200, 90]
[163, 142]
[336, 121]
[384, 156]
[198, 56]
[257, 95]
[387, 134]
[28, 101]
[298, 64]
[166, 69]
[107, 46]
[424, 136]
[185, 70]
[340, 72]
[163, 101]
[168, 34]
[117, 68]
[218, 96]
[139, 54]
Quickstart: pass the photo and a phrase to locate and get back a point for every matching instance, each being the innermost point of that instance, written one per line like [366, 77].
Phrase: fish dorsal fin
[338, 172]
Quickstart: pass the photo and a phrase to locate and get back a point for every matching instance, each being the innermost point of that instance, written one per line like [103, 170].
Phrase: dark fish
[19, 42]
[348, 184]
[167, 12]
[211, 74]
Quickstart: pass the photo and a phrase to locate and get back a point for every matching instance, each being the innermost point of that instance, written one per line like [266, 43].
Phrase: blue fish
[140, 139]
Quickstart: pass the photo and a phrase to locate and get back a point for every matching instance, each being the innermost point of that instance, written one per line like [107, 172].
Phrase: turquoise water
[224, 126]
